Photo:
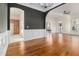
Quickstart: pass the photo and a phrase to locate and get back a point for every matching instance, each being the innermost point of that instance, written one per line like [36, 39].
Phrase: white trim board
[29, 34]
[34, 33]
[3, 43]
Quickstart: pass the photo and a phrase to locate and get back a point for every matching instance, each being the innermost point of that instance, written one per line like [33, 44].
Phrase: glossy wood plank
[51, 45]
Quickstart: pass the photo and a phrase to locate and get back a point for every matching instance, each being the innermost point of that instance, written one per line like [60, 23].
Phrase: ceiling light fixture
[66, 12]
[46, 5]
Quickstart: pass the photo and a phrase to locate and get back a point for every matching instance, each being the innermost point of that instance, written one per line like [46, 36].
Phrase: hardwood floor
[51, 45]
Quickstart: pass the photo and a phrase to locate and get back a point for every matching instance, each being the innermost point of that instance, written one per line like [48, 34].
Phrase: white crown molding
[38, 7]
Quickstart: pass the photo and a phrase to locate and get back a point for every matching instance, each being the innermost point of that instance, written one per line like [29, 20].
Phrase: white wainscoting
[14, 38]
[34, 33]
[4, 40]
[28, 35]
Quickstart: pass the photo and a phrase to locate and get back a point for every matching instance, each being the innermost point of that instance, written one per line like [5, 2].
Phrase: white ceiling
[38, 7]
[58, 13]
[73, 8]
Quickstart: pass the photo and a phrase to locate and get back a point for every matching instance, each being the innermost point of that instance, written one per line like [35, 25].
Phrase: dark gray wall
[33, 18]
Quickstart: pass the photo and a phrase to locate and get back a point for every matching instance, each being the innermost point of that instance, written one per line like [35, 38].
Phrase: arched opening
[55, 21]
[59, 22]
[16, 22]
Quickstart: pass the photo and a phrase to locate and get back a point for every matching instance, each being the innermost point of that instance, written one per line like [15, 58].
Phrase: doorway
[16, 23]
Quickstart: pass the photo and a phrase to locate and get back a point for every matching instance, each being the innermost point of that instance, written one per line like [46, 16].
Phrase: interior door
[16, 26]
